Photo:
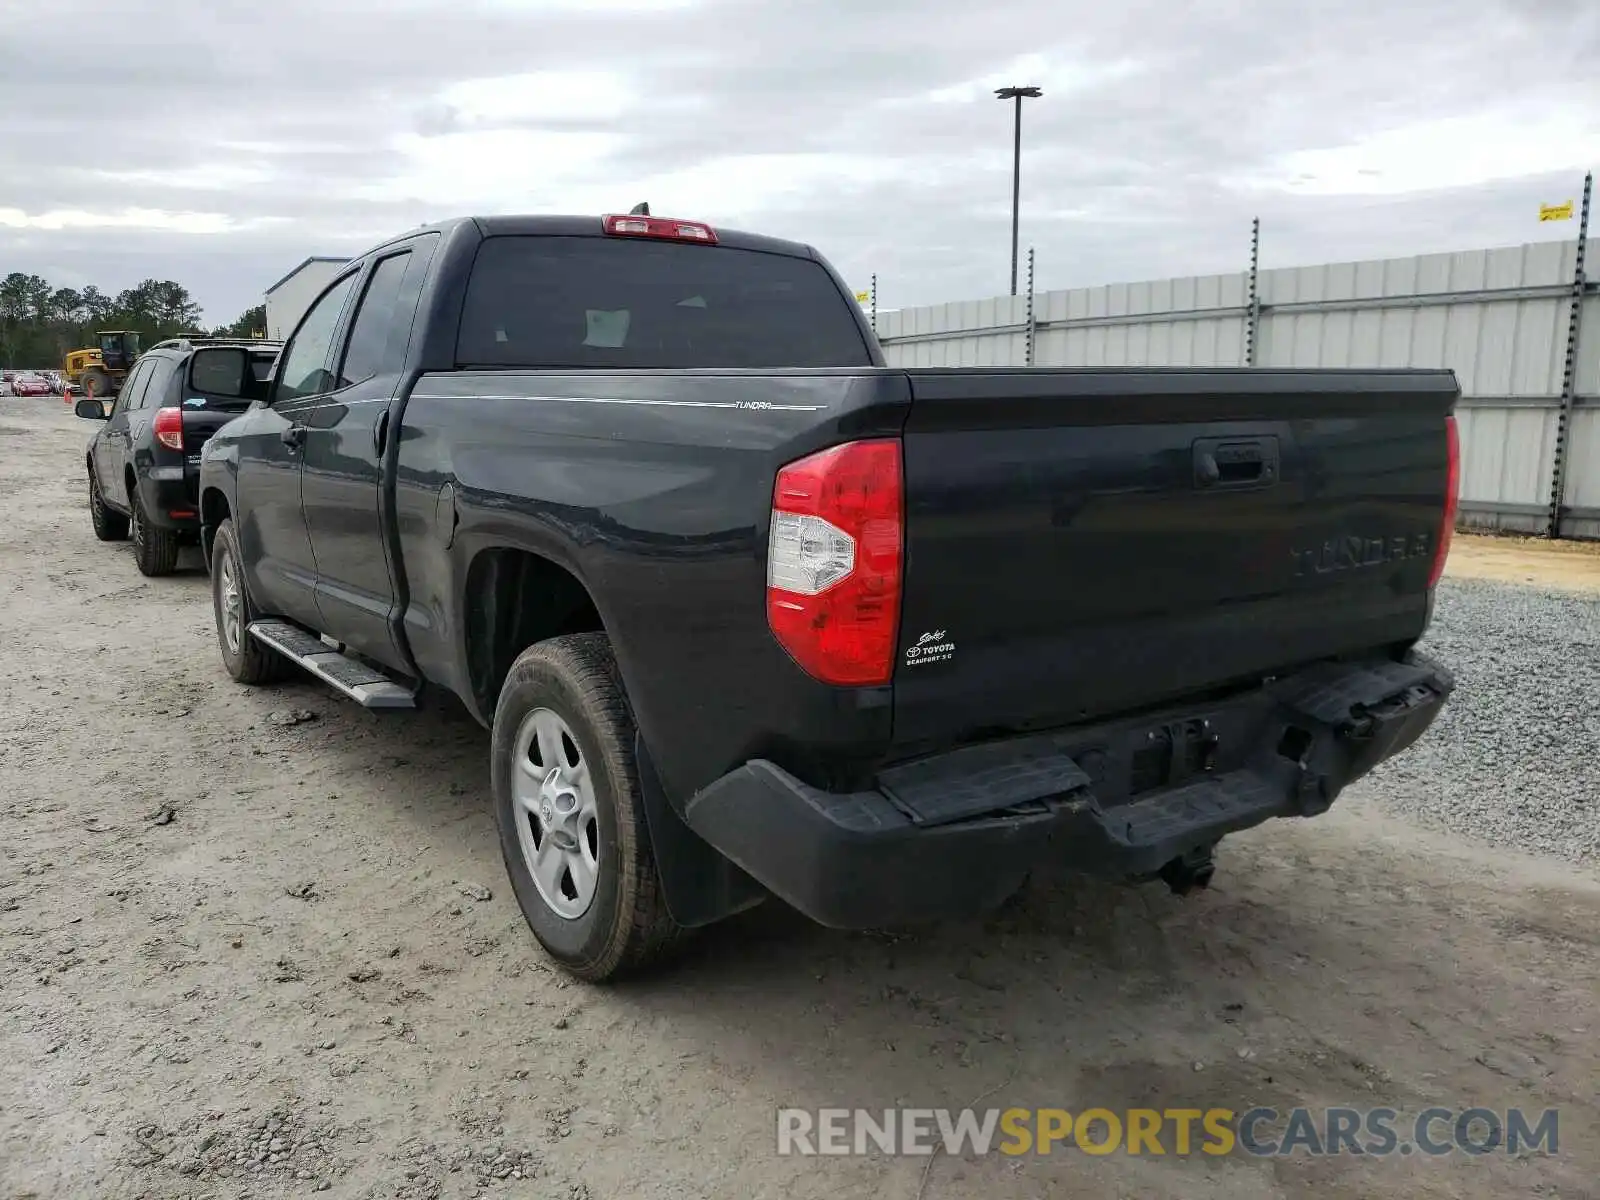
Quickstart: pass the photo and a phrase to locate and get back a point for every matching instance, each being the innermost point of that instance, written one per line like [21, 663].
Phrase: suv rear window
[199, 394]
[599, 302]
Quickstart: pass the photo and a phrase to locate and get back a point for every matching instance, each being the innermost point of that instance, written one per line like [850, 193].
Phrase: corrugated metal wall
[1498, 317]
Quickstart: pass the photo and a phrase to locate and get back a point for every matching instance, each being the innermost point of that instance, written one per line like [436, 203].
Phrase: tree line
[41, 323]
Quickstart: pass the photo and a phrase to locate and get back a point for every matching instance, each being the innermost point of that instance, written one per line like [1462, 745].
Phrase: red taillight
[660, 227]
[168, 427]
[834, 561]
[1452, 498]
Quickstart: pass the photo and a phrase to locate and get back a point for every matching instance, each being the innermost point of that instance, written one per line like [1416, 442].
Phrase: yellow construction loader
[100, 370]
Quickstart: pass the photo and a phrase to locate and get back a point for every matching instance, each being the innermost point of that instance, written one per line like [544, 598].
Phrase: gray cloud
[1164, 128]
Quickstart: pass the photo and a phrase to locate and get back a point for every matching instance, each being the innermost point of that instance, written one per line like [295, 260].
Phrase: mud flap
[700, 885]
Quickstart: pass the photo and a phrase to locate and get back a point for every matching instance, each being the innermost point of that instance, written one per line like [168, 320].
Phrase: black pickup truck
[750, 613]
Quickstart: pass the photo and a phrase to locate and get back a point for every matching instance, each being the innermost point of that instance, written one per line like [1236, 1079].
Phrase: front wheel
[571, 817]
[109, 526]
[247, 660]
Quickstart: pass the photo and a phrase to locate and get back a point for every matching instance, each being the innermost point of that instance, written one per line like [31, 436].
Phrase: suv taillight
[1452, 499]
[168, 427]
[834, 561]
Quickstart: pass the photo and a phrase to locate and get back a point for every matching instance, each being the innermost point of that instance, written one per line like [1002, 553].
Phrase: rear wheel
[109, 526]
[155, 550]
[246, 659]
[572, 822]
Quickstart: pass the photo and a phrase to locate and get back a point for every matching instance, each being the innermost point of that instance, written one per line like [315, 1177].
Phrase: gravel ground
[1514, 759]
[256, 943]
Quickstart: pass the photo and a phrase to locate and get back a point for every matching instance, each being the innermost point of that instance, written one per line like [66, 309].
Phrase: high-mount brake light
[834, 561]
[168, 427]
[666, 228]
[1452, 499]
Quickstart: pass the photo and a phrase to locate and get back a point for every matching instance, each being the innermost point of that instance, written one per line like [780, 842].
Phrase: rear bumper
[169, 493]
[955, 834]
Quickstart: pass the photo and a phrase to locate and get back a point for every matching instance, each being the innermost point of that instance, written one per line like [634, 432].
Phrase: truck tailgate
[1081, 543]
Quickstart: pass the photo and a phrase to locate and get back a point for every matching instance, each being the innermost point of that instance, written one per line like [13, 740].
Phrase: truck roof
[590, 226]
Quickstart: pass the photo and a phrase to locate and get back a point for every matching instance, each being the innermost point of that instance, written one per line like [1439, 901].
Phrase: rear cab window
[626, 304]
[365, 353]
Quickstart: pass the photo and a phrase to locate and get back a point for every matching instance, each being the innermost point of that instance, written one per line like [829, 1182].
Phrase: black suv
[144, 464]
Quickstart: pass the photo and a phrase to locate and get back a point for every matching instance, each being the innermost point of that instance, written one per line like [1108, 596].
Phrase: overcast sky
[220, 142]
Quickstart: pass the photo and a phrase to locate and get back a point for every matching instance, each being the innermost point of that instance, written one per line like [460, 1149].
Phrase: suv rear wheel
[154, 549]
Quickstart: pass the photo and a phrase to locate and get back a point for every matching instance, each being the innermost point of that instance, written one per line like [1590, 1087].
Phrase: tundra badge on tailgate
[1350, 553]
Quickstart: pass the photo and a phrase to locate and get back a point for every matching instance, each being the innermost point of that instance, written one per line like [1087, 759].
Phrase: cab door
[342, 473]
[280, 569]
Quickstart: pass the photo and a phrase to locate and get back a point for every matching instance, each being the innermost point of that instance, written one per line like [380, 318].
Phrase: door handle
[1235, 462]
[294, 437]
[380, 433]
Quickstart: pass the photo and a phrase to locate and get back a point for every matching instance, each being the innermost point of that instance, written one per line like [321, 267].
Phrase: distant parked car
[29, 384]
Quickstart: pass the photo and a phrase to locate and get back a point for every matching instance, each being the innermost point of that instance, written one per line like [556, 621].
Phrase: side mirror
[221, 371]
[89, 410]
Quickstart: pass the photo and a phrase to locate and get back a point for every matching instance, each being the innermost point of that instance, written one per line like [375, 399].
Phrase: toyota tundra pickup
[750, 613]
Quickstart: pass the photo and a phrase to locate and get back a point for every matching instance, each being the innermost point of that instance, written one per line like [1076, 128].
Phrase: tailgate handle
[1235, 462]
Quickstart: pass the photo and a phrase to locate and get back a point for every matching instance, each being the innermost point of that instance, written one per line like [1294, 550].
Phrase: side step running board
[355, 679]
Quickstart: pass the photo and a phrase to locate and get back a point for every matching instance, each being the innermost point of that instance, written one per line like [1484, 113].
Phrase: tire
[625, 923]
[99, 381]
[246, 659]
[155, 550]
[109, 526]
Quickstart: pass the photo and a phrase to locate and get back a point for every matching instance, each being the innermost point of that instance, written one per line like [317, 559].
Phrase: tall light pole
[1016, 95]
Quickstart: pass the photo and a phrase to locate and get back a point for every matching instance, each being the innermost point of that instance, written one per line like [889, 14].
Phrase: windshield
[617, 303]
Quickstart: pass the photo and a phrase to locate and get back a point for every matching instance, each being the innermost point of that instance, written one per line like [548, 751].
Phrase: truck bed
[1062, 556]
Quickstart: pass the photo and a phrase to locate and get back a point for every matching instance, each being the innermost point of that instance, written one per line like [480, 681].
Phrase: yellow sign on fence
[1556, 212]
[863, 297]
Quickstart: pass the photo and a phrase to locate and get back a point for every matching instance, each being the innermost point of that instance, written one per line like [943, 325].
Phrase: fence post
[1569, 374]
[1252, 320]
[1028, 351]
[874, 303]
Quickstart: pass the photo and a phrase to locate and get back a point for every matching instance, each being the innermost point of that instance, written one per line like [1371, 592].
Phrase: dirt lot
[1571, 566]
[248, 956]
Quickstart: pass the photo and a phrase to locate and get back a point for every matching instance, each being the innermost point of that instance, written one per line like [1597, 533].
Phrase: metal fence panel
[1497, 317]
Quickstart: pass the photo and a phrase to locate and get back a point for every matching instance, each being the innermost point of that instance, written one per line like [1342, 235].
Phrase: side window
[160, 379]
[364, 353]
[305, 359]
[132, 390]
